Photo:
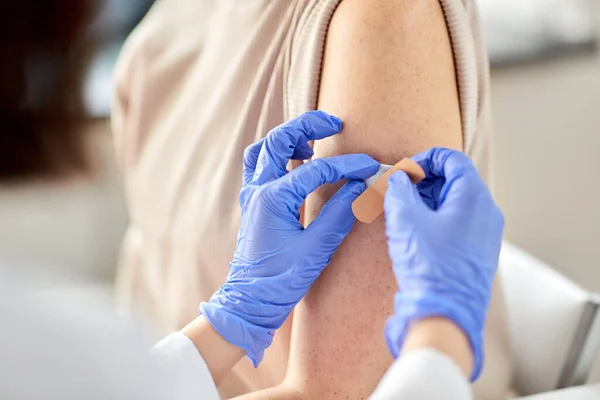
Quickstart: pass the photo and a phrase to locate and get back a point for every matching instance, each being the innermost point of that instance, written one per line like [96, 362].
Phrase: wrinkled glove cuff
[411, 307]
[239, 332]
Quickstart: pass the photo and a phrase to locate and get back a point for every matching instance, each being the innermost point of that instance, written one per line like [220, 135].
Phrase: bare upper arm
[389, 74]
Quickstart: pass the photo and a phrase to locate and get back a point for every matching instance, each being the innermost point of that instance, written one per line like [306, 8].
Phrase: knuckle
[323, 167]
[250, 154]
[269, 194]
[260, 198]
[468, 170]
[462, 157]
[248, 151]
[244, 194]
[284, 133]
[272, 135]
[263, 192]
[319, 163]
[311, 168]
[458, 156]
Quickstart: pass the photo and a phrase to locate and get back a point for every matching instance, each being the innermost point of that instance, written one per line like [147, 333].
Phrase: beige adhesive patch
[369, 205]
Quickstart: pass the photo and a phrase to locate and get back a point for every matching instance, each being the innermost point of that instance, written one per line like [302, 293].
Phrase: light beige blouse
[197, 82]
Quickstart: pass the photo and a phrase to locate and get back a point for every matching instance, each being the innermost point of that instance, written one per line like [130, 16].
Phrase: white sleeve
[68, 341]
[181, 360]
[424, 375]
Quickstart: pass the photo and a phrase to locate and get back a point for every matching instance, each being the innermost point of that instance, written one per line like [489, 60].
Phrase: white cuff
[425, 375]
[182, 362]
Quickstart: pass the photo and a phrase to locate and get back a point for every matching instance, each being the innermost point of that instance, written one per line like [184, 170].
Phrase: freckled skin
[396, 93]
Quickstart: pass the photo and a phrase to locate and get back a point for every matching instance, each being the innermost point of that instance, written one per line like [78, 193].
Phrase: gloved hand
[444, 241]
[277, 260]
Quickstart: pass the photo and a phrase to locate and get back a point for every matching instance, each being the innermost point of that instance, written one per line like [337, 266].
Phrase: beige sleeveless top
[197, 82]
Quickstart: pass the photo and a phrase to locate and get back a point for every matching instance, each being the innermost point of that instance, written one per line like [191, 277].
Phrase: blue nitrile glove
[444, 241]
[277, 260]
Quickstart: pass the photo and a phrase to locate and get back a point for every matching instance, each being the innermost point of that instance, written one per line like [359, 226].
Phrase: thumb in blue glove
[444, 243]
[276, 260]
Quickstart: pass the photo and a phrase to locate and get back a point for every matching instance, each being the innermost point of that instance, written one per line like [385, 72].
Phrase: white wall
[547, 163]
[547, 158]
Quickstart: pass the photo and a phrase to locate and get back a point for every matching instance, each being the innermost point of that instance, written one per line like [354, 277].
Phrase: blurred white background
[547, 131]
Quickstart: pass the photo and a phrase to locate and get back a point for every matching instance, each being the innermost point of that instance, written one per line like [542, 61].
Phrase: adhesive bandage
[369, 205]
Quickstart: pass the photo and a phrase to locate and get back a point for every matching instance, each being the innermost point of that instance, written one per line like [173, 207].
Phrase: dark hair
[40, 75]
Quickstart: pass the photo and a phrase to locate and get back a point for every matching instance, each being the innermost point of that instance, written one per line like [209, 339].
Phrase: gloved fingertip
[442, 162]
[333, 120]
[255, 359]
[356, 187]
[336, 215]
[368, 165]
[401, 194]
[351, 190]
[336, 122]
[398, 181]
[394, 335]
[423, 160]
[348, 193]
[303, 152]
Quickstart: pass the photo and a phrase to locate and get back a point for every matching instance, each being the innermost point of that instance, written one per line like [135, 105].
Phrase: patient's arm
[389, 74]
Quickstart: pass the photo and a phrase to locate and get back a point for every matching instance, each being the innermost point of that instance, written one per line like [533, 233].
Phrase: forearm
[219, 355]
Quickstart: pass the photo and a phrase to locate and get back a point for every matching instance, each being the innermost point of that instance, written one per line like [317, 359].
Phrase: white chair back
[553, 324]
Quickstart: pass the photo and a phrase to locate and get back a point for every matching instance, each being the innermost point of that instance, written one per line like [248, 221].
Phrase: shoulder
[393, 65]
[429, 46]
[392, 8]
[414, 20]
[371, 33]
